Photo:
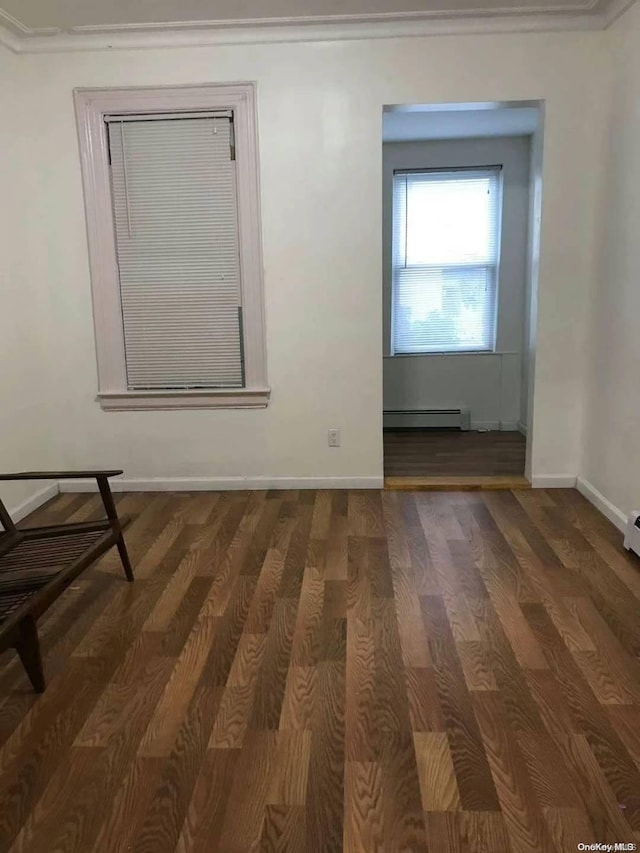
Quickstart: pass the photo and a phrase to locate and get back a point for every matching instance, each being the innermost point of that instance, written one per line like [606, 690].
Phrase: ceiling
[98, 14]
[407, 126]
[23, 21]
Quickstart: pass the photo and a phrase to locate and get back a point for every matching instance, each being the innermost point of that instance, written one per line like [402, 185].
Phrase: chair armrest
[58, 475]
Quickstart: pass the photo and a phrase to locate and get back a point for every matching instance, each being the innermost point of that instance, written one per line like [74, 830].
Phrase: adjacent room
[319, 467]
[457, 290]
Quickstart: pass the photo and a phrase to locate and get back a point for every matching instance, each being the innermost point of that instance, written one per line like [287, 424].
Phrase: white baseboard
[554, 481]
[504, 426]
[521, 428]
[217, 484]
[609, 510]
[32, 503]
[182, 484]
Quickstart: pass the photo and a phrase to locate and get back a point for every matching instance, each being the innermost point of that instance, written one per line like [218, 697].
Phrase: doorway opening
[461, 213]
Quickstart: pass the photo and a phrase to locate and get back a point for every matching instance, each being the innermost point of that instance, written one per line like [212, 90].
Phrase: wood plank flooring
[456, 484]
[327, 671]
[452, 453]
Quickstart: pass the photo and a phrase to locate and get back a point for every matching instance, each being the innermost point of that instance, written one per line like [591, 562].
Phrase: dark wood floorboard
[334, 671]
[453, 453]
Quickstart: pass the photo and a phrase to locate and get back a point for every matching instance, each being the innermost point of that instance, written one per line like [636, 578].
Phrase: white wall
[320, 109]
[530, 319]
[27, 435]
[488, 384]
[612, 447]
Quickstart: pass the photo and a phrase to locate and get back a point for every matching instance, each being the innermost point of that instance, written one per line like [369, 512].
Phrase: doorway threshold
[456, 484]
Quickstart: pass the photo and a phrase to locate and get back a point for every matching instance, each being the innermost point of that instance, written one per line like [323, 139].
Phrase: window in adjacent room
[171, 190]
[446, 245]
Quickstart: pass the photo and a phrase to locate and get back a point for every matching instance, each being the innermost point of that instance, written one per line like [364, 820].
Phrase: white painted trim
[9, 39]
[399, 108]
[614, 9]
[522, 428]
[92, 105]
[216, 484]
[611, 511]
[484, 425]
[554, 481]
[504, 426]
[240, 398]
[32, 503]
[332, 18]
[268, 33]
[22, 30]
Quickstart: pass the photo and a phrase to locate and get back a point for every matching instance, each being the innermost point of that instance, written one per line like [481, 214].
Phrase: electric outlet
[334, 438]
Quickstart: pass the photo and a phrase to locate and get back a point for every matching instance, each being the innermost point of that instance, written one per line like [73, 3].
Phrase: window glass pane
[448, 310]
[445, 256]
[449, 221]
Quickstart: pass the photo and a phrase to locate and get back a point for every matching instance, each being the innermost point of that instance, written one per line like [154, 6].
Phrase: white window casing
[174, 245]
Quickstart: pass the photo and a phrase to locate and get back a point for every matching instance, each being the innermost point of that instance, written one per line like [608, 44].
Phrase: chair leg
[28, 647]
[124, 556]
[112, 515]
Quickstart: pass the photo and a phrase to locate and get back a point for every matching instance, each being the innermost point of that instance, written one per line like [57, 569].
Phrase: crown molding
[614, 10]
[409, 26]
[13, 32]
[9, 39]
[339, 19]
[22, 30]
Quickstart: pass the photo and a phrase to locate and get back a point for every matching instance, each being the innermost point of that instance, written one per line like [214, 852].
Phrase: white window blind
[175, 211]
[446, 245]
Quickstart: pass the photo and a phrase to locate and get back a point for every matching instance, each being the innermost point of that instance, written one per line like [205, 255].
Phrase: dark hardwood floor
[327, 671]
[453, 453]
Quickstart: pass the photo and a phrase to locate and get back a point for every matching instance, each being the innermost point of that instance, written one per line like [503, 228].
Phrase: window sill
[228, 398]
[452, 352]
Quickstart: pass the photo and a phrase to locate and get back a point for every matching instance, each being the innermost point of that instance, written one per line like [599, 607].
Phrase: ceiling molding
[22, 30]
[340, 19]
[9, 39]
[575, 8]
[130, 39]
[615, 9]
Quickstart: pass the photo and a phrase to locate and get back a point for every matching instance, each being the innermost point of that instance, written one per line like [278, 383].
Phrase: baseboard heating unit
[632, 538]
[426, 419]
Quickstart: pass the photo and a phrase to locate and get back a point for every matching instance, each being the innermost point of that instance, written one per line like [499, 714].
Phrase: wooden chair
[38, 563]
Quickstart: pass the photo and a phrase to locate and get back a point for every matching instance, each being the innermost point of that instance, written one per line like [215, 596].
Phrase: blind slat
[175, 212]
[446, 246]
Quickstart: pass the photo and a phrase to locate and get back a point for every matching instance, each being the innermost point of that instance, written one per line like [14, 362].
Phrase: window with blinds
[173, 187]
[446, 246]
